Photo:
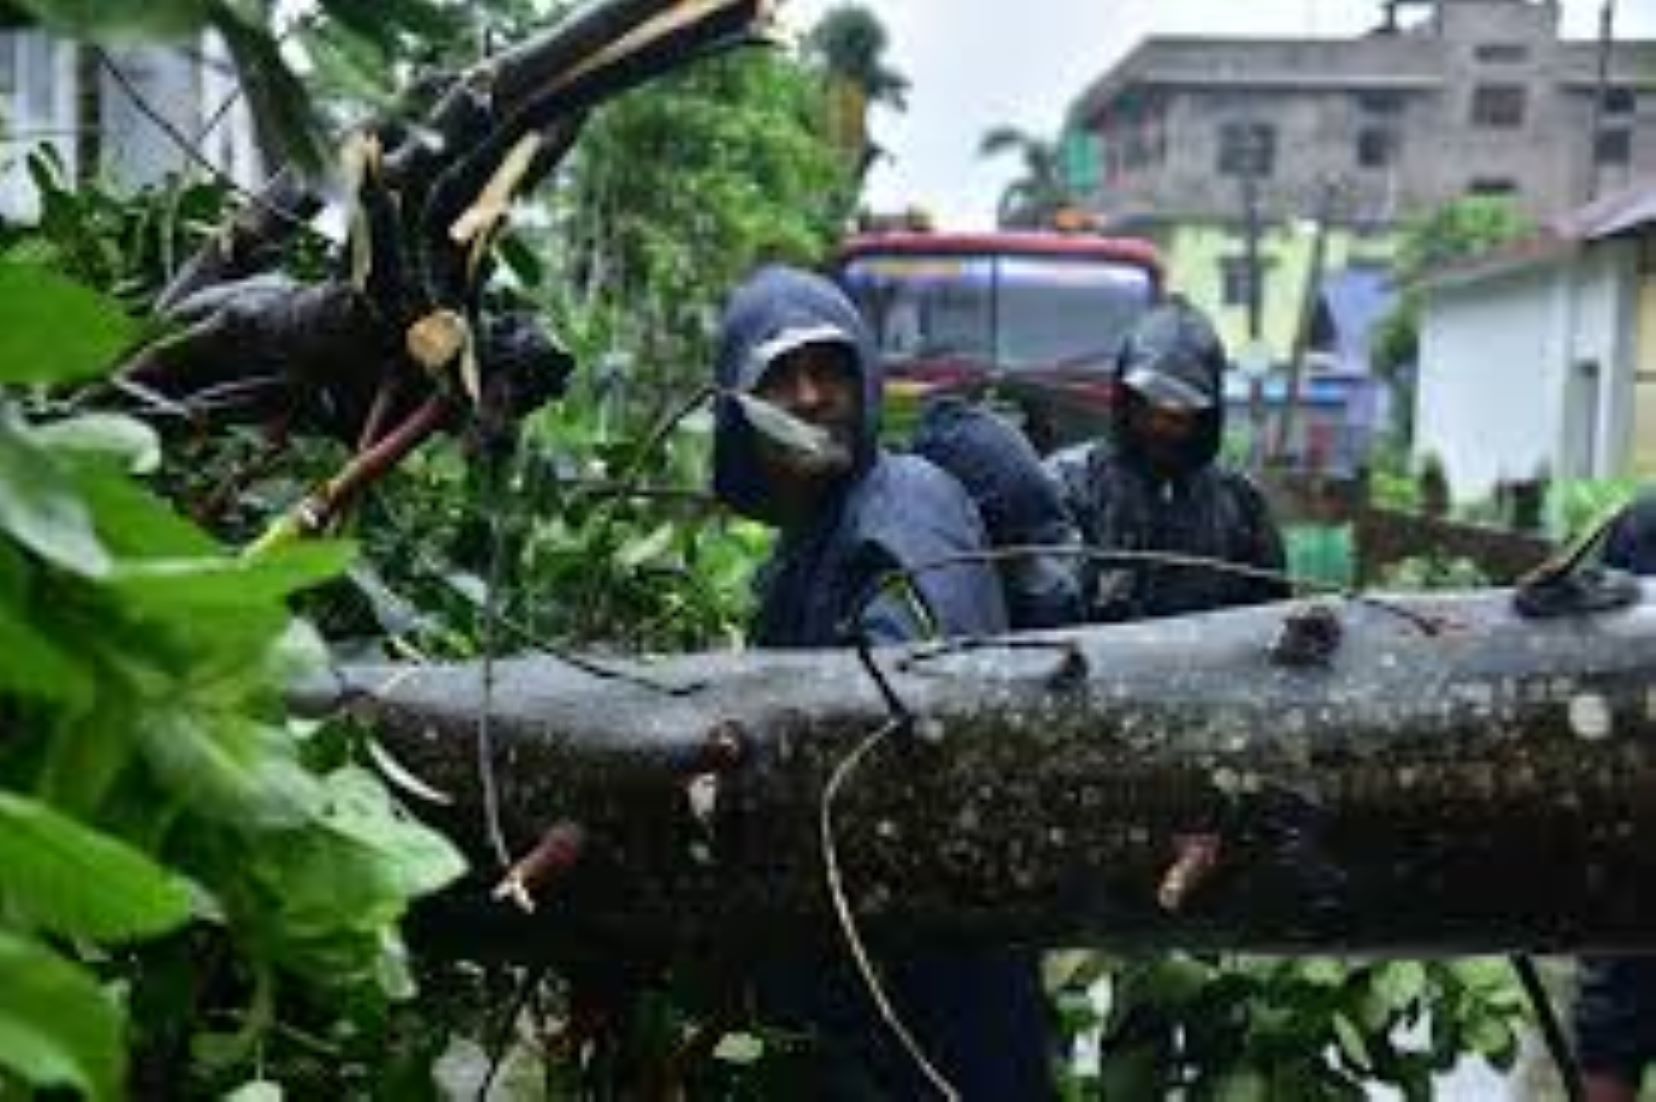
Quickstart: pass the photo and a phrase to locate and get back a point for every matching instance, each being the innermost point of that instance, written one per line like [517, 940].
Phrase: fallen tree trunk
[1427, 773]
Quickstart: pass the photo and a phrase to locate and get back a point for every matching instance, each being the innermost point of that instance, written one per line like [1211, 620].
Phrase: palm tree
[1041, 191]
[849, 43]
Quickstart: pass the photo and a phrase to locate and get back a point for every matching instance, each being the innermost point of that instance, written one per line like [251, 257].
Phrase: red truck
[1027, 319]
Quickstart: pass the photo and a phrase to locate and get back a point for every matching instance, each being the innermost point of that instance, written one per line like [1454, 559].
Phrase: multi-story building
[1479, 97]
[1332, 142]
[131, 110]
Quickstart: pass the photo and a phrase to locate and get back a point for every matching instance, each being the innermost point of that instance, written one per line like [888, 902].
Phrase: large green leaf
[34, 666]
[56, 1026]
[124, 441]
[40, 509]
[229, 767]
[53, 330]
[73, 880]
[226, 582]
[132, 522]
[344, 879]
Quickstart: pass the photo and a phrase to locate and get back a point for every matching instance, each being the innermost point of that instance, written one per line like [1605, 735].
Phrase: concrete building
[1183, 135]
[1540, 358]
[1479, 96]
[62, 95]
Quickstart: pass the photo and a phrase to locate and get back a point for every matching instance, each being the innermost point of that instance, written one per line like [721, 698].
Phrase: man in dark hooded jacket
[1615, 1012]
[847, 513]
[1020, 506]
[1155, 486]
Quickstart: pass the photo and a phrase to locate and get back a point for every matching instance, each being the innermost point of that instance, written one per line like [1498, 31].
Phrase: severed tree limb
[1202, 781]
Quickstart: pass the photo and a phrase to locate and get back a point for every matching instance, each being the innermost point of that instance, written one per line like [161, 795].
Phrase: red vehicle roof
[1015, 242]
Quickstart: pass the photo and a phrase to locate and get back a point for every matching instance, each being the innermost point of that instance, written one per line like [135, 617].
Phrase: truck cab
[1029, 320]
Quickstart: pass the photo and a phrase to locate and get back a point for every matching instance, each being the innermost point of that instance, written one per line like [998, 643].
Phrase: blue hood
[776, 310]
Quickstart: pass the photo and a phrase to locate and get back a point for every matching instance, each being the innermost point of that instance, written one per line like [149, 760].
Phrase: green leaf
[173, 586]
[229, 767]
[256, 1090]
[76, 881]
[132, 522]
[1352, 1043]
[646, 548]
[40, 509]
[53, 330]
[35, 667]
[56, 1026]
[1239, 1084]
[412, 858]
[1401, 983]
[1493, 1038]
[125, 441]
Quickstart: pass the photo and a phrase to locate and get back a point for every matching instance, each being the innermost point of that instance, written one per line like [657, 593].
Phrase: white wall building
[1541, 358]
[193, 88]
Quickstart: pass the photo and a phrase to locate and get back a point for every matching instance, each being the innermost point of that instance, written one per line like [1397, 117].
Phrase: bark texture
[1337, 776]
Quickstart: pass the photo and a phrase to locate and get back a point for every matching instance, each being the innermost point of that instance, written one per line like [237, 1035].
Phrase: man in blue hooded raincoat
[1615, 1010]
[847, 512]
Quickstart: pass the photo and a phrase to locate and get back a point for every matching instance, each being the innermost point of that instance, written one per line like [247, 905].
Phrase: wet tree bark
[1434, 775]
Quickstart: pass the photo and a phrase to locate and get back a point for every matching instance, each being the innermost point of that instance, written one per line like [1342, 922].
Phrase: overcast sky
[975, 64]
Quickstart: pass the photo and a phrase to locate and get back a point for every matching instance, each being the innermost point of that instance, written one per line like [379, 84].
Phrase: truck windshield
[1009, 312]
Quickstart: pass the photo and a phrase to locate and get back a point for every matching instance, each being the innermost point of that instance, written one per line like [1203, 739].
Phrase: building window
[1247, 148]
[1492, 185]
[1614, 147]
[1619, 101]
[1236, 280]
[1501, 53]
[1500, 106]
[1378, 103]
[1376, 147]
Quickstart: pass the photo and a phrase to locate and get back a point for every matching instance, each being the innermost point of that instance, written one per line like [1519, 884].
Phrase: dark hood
[1173, 356]
[776, 310]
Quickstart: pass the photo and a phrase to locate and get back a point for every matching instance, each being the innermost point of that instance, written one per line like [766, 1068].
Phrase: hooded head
[778, 319]
[1170, 373]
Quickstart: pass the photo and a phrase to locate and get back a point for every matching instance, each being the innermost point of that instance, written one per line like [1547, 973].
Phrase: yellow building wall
[1193, 253]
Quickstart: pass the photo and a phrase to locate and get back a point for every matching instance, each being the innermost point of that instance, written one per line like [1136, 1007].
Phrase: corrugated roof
[1624, 211]
[1628, 210]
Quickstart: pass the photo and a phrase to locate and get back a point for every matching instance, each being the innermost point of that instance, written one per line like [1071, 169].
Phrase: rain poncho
[891, 512]
[1020, 505]
[979, 1014]
[1123, 501]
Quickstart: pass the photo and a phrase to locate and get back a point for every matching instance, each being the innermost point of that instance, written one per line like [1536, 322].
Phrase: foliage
[675, 194]
[148, 775]
[1041, 191]
[1308, 1028]
[600, 540]
[1432, 572]
[1428, 243]
[848, 44]
[1579, 506]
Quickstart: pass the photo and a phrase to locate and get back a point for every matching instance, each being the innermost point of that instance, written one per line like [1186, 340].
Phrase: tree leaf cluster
[1242, 1028]
[149, 778]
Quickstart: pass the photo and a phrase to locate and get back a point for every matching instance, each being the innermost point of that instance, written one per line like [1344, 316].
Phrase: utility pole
[1601, 87]
[1255, 286]
[1307, 318]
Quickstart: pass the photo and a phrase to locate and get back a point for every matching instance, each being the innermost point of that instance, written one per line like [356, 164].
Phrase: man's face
[817, 384]
[1163, 434]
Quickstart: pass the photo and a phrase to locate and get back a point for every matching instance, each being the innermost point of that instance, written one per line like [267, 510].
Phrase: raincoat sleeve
[1260, 545]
